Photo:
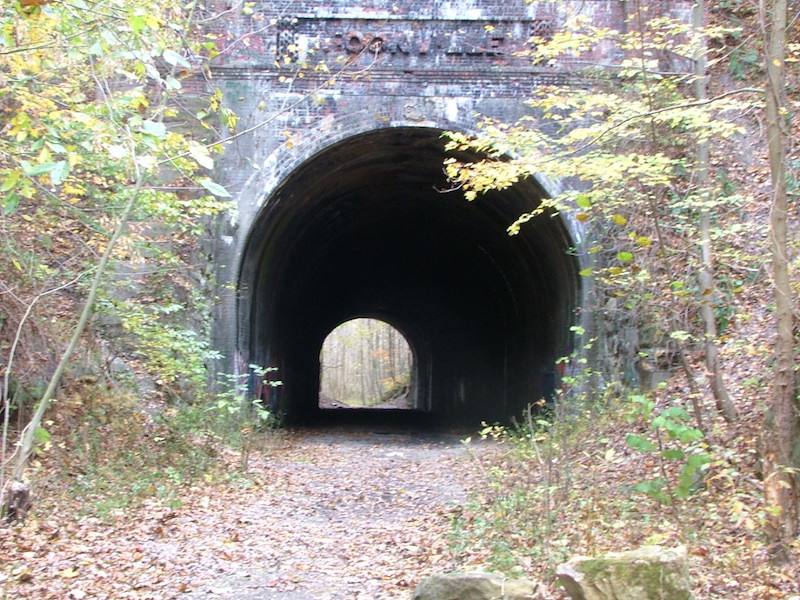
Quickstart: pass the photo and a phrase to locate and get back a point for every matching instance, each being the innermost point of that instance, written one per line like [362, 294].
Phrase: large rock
[474, 586]
[649, 573]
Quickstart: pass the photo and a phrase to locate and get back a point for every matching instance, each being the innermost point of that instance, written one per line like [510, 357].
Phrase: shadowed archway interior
[364, 228]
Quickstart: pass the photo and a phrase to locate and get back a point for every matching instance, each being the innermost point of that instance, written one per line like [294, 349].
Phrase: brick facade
[305, 76]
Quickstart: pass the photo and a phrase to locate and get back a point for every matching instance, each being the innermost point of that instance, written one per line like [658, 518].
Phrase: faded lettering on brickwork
[397, 41]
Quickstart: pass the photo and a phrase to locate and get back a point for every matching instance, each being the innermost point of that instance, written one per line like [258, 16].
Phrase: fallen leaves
[332, 516]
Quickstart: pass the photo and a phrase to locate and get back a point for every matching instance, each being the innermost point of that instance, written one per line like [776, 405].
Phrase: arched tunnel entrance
[364, 229]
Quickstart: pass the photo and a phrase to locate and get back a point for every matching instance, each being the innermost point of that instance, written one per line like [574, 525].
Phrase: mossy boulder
[649, 573]
[474, 586]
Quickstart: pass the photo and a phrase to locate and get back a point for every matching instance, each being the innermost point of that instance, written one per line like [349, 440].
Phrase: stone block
[474, 586]
[649, 573]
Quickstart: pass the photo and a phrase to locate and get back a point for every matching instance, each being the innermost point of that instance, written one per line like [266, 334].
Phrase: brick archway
[364, 227]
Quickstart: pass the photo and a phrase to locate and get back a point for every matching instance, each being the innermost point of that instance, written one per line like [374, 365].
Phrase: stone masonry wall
[295, 69]
[304, 74]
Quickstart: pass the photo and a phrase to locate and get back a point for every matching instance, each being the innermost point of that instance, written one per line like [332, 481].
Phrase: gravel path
[345, 515]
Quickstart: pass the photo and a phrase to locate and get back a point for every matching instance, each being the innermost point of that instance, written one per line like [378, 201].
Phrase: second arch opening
[366, 363]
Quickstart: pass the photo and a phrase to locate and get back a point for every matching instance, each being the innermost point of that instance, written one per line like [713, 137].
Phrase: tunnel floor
[389, 420]
[366, 229]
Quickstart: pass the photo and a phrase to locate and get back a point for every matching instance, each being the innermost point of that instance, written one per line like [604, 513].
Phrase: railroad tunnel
[366, 228]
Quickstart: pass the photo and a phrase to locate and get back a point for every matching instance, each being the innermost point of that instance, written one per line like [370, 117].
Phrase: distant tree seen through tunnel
[365, 363]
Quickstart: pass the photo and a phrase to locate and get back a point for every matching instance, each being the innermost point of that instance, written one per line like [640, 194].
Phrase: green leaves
[173, 58]
[214, 187]
[155, 128]
[672, 440]
[638, 442]
[41, 435]
[626, 143]
[141, 19]
[10, 181]
[689, 478]
[680, 335]
[36, 170]
[201, 154]
[11, 203]
[58, 171]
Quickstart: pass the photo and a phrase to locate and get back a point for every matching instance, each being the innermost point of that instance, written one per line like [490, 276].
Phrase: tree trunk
[780, 426]
[723, 400]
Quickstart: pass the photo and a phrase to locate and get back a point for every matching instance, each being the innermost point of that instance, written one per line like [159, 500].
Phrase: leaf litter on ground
[335, 515]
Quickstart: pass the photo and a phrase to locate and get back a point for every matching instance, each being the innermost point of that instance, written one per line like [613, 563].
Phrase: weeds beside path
[320, 516]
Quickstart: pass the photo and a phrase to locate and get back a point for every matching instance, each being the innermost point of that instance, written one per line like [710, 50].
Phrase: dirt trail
[347, 515]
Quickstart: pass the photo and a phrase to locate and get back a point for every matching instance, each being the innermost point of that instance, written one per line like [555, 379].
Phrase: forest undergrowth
[576, 477]
[612, 468]
[618, 473]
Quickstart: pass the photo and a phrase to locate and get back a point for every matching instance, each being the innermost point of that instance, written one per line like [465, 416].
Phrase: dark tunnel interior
[364, 229]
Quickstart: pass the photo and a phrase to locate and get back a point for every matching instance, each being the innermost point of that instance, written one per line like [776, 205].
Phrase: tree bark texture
[781, 423]
[725, 404]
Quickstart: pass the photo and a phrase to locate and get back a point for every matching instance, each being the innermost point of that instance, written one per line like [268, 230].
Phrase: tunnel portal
[367, 228]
